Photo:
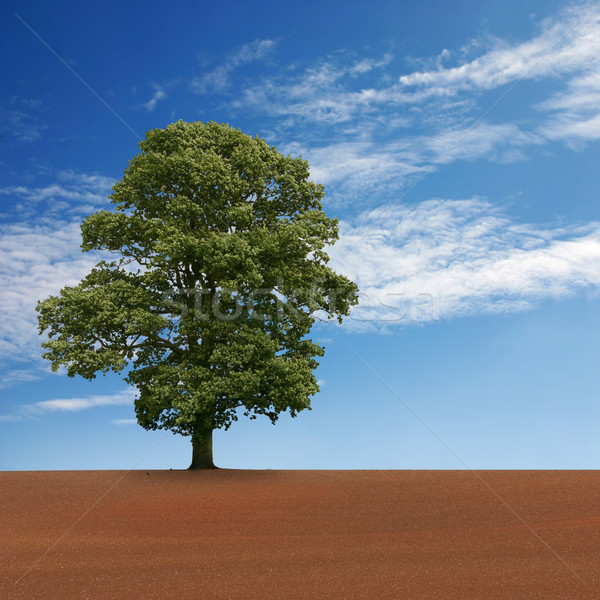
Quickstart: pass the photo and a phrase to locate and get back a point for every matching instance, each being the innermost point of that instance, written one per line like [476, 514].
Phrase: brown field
[300, 534]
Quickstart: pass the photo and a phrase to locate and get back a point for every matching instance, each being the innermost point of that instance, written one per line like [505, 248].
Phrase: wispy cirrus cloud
[384, 123]
[9, 418]
[125, 397]
[159, 94]
[124, 422]
[218, 79]
[445, 258]
[574, 114]
[366, 65]
[565, 44]
[17, 376]
[74, 194]
[35, 262]
[360, 164]
[330, 91]
[38, 259]
[72, 405]
[566, 50]
[20, 119]
[352, 169]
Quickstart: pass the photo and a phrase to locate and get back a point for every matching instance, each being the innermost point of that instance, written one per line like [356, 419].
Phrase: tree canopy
[220, 265]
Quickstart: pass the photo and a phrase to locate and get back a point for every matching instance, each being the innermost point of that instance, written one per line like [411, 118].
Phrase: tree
[220, 268]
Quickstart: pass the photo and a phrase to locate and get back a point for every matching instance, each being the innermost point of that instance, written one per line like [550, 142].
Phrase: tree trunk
[202, 454]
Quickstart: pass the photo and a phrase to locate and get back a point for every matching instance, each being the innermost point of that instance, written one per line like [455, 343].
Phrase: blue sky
[459, 146]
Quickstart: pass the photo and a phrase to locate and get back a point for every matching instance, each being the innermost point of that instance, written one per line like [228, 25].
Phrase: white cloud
[497, 142]
[74, 194]
[71, 405]
[16, 376]
[100, 185]
[256, 50]
[567, 43]
[159, 94]
[125, 397]
[356, 168]
[444, 258]
[331, 90]
[567, 50]
[37, 409]
[218, 79]
[582, 93]
[572, 129]
[9, 418]
[368, 64]
[20, 119]
[383, 126]
[360, 164]
[575, 112]
[124, 422]
[23, 126]
[37, 260]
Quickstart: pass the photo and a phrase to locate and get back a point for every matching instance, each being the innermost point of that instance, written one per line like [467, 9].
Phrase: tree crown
[220, 265]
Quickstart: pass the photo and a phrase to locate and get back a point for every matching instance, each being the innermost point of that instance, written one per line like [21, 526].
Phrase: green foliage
[220, 266]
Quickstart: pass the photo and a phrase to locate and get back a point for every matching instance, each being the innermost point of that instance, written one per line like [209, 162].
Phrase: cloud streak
[78, 404]
[445, 258]
[359, 168]
[564, 45]
[73, 405]
[219, 79]
[159, 94]
[384, 125]
[124, 422]
[74, 194]
[20, 119]
[36, 261]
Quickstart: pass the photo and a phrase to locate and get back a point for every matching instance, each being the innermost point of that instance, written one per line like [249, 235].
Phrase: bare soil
[300, 534]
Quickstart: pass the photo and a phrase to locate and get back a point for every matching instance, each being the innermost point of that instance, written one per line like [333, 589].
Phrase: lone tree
[219, 270]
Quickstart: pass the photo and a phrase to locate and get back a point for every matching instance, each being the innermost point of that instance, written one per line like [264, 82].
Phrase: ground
[300, 534]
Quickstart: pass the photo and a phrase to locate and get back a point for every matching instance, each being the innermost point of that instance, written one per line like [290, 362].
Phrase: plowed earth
[300, 534]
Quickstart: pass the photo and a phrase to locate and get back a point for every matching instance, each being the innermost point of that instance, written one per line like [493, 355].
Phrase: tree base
[193, 467]
[202, 458]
